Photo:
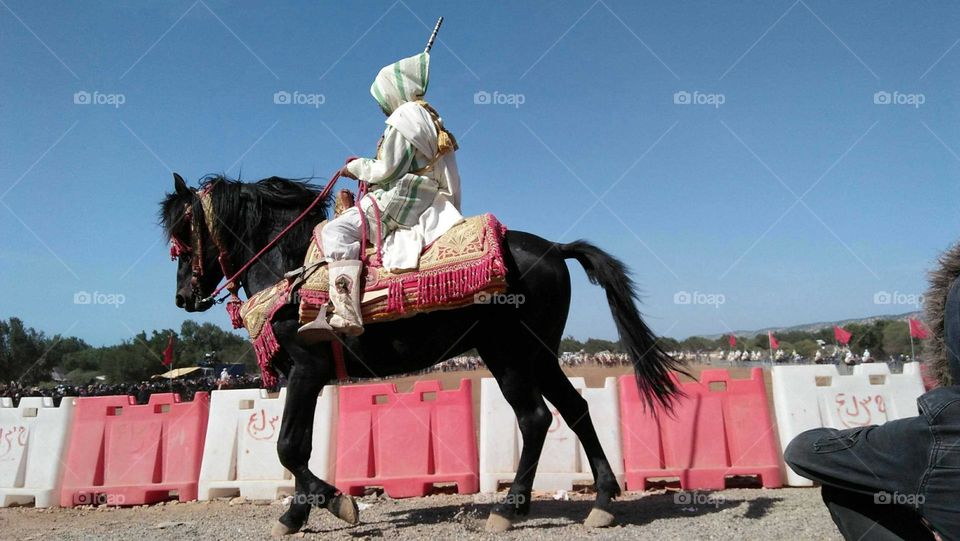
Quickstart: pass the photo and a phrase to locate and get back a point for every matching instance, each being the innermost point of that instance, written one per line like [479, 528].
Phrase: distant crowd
[186, 388]
[824, 355]
[603, 358]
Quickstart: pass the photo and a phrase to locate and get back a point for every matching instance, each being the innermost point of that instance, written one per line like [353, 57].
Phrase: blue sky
[782, 193]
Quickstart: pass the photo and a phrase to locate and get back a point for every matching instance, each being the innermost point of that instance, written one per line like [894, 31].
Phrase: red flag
[842, 335]
[733, 340]
[773, 341]
[168, 353]
[917, 330]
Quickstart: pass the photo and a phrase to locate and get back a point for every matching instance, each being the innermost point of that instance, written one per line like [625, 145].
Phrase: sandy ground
[737, 513]
[791, 513]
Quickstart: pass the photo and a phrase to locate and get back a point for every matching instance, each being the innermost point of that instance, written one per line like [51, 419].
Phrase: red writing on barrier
[862, 411]
[556, 422]
[12, 437]
[260, 427]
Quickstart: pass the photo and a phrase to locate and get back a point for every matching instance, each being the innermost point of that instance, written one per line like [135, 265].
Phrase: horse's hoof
[345, 508]
[497, 523]
[598, 518]
[280, 529]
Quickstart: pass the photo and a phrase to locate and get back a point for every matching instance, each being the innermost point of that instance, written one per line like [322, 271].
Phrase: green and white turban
[402, 82]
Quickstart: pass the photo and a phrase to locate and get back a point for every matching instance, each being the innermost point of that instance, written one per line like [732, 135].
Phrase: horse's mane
[935, 307]
[250, 210]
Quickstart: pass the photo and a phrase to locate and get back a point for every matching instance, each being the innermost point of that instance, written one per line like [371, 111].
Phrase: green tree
[21, 352]
[596, 345]
[668, 344]
[869, 336]
[807, 347]
[896, 338]
[697, 343]
[570, 344]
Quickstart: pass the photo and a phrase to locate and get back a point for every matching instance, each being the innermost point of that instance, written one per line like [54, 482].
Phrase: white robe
[401, 248]
[418, 193]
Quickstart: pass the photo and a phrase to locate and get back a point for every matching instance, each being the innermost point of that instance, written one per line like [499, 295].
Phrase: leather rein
[209, 220]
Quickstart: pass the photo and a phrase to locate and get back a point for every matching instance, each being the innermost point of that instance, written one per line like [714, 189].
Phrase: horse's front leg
[305, 380]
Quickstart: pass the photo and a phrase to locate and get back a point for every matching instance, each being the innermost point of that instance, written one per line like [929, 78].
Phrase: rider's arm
[394, 160]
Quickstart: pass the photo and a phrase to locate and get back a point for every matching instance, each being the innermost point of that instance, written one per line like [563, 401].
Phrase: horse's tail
[935, 308]
[651, 364]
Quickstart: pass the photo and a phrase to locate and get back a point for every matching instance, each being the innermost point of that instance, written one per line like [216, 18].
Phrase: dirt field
[730, 514]
[740, 513]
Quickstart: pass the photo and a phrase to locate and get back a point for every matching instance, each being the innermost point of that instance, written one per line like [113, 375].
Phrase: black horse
[519, 345]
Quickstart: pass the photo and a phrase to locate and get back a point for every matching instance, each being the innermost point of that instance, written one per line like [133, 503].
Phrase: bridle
[209, 220]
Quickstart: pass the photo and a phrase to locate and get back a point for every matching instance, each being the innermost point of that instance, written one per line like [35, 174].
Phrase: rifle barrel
[433, 35]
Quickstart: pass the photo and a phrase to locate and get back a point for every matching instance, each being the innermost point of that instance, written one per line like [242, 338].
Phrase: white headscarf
[402, 82]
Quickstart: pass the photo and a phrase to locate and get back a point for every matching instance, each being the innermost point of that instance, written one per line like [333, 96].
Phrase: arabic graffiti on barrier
[860, 410]
[12, 437]
[261, 426]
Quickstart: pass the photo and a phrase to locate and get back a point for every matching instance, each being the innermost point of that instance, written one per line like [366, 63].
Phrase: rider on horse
[412, 194]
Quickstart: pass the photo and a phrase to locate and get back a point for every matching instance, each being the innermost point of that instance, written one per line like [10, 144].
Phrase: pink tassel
[265, 347]
[233, 309]
[395, 297]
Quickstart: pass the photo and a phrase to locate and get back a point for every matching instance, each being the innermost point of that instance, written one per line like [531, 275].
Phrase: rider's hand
[345, 172]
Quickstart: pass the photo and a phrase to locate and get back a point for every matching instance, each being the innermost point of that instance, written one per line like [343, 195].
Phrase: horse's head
[225, 223]
[198, 270]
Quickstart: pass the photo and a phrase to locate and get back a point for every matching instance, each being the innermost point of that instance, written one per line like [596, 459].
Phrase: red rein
[233, 307]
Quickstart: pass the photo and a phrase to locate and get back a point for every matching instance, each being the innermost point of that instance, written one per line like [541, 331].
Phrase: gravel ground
[789, 513]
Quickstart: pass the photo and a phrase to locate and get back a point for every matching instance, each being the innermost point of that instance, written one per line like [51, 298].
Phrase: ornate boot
[345, 294]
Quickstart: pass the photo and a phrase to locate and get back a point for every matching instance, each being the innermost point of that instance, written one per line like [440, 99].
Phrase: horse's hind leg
[573, 408]
[515, 377]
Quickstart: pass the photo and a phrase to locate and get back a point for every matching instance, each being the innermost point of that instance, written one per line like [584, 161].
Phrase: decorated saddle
[465, 262]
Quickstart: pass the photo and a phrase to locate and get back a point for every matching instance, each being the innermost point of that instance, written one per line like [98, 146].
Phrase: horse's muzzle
[193, 303]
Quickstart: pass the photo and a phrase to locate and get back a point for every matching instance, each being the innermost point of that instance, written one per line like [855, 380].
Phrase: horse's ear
[180, 185]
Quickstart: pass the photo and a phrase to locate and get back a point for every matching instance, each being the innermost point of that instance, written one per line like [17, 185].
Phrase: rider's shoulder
[407, 108]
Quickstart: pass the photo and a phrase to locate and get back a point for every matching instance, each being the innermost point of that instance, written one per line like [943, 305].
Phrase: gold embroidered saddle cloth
[465, 262]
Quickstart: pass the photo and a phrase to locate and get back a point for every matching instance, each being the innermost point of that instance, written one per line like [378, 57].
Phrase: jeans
[898, 480]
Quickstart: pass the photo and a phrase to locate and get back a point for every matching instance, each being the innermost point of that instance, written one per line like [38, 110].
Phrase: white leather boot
[345, 294]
